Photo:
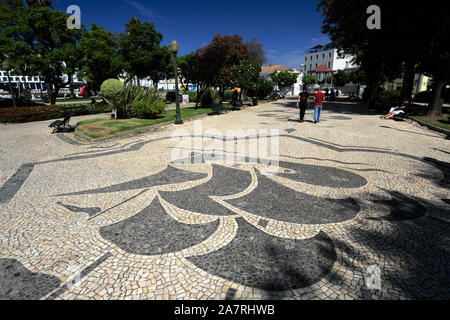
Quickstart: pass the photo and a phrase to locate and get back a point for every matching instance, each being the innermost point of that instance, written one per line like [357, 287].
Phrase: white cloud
[145, 12]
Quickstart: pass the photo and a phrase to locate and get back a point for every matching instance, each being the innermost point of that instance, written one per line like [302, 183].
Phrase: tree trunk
[437, 99]
[72, 91]
[198, 97]
[52, 93]
[408, 80]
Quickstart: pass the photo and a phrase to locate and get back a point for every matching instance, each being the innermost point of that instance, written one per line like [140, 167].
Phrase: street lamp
[174, 48]
[7, 67]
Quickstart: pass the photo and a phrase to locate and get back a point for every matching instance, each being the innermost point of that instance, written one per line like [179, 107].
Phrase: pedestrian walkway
[357, 209]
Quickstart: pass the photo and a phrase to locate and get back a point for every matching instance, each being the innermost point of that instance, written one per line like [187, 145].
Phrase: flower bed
[45, 112]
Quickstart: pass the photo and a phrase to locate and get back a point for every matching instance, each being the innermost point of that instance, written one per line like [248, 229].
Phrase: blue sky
[285, 28]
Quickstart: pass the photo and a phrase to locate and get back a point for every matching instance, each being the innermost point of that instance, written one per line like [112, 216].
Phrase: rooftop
[273, 68]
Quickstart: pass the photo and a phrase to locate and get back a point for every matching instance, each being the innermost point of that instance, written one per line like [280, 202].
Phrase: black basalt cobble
[321, 175]
[275, 201]
[225, 181]
[152, 232]
[13, 184]
[18, 283]
[255, 259]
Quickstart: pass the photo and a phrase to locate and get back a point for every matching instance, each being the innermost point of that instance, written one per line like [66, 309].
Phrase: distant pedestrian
[319, 96]
[302, 103]
[333, 94]
[327, 94]
[337, 94]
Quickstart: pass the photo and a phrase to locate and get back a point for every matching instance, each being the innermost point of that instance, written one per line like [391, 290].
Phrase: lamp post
[7, 67]
[174, 47]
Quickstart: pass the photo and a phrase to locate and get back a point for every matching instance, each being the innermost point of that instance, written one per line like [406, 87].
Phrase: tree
[340, 78]
[437, 65]
[357, 77]
[256, 51]
[101, 58]
[309, 79]
[38, 37]
[400, 44]
[245, 76]
[141, 51]
[188, 69]
[284, 79]
[214, 61]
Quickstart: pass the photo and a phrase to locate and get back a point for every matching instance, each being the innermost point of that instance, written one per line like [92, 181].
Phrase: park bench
[59, 124]
[218, 108]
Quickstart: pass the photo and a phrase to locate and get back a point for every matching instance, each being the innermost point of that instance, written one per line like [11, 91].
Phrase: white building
[328, 56]
[295, 89]
[32, 83]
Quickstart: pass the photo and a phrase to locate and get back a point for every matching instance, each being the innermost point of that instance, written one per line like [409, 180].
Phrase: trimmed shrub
[44, 112]
[111, 88]
[147, 110]
[228, 95]
[209, 97]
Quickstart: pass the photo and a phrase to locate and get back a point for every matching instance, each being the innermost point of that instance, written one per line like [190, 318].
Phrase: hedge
[45, 112]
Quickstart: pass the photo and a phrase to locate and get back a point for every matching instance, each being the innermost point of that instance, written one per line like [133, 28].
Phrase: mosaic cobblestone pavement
[356, 197]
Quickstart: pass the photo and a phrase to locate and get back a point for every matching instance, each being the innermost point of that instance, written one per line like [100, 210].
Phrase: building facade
[421, 83]
[328, 56]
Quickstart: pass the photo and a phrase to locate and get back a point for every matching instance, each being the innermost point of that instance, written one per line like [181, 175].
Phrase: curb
[133, 132]
[431, 127]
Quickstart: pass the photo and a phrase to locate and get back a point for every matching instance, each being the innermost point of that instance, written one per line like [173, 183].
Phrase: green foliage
[45, 112]
[209, 97]
[111, 88]
[245, 75]
[131, 94]
[101, 59]
[256, 51]
[192, 96]
[264, 87]
[284, 79]
[147, 110]
[228, 94]
[309, 79]
[215, 60]
[388, 97]
[140, 48]
[36, 41]
[340, 78]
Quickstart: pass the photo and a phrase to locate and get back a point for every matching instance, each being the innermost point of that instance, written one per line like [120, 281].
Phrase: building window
[329, 55]
[306, 58]
[5, 79]
[329, 64]
[317, 57]
[323, 56]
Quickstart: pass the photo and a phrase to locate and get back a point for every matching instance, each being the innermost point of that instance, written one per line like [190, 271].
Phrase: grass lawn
[97, 128]
[419, 113]
[442, 122]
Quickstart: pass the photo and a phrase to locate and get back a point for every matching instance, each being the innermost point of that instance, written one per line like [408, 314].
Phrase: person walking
[302, 103]
[319, 96]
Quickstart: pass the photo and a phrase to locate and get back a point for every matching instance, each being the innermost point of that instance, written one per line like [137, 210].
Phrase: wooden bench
[59, 124]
